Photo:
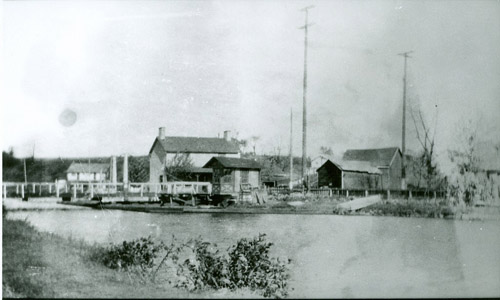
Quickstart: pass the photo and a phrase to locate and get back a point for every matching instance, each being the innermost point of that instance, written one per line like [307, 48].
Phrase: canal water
[332, 256]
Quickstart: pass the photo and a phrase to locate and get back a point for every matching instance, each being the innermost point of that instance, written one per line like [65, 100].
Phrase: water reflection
[332, 256]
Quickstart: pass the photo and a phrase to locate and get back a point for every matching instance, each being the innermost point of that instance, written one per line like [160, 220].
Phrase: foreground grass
[44, 265]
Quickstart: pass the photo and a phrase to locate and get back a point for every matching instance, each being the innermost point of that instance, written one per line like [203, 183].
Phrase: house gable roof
[382, 157]
[87, 168]
[184, 144]
[354, 166]
[233, 163]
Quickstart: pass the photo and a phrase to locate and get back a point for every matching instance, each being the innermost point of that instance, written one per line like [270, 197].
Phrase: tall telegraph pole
[304, 108]
[291, 156]
[403, 148]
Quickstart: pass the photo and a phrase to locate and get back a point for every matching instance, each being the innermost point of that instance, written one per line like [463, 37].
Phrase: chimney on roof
[227, 134]
[161, 133]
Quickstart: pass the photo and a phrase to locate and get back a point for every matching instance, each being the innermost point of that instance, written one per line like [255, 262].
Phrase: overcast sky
[198, 68]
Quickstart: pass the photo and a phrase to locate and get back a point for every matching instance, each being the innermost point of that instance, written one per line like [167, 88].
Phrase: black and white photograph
[250, 149]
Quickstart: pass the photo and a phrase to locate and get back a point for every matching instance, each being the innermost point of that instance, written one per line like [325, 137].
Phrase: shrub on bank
[141, 252]
[409, 209]
[246, 265]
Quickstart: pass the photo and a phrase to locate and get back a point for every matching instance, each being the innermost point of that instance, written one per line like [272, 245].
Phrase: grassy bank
[415, 208]
[43, 265]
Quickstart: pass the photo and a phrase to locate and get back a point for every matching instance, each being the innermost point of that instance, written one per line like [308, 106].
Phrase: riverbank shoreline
[395, 208]
[39, 264]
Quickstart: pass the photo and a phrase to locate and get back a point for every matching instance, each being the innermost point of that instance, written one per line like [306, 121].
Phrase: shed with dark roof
[233, 175]
[349, 175]
[387, 160]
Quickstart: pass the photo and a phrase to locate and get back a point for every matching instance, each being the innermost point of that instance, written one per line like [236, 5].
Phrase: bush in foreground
[246, 265]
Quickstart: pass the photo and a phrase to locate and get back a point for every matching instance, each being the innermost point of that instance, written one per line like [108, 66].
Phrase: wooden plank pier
[360, 203]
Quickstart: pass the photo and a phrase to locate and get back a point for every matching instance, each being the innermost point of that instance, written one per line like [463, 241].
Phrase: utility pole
[304, 107]
[291, 156]
[25, 176]
[403, 148]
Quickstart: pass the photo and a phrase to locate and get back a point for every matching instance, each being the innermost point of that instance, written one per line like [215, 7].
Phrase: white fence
[91, 189]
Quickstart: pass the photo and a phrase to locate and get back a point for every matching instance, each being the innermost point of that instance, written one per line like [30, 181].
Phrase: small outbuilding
[349, 175]
[232, 175]
[94, 172]
[387, 160]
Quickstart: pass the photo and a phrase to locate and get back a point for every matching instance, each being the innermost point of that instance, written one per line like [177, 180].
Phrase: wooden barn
[355, 175]
[230, 175]
[387, 160]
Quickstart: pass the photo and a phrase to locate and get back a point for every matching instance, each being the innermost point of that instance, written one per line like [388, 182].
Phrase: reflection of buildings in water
[428, 251]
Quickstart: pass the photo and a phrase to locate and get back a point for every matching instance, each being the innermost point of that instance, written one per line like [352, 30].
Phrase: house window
[226, 176]
[244, 176]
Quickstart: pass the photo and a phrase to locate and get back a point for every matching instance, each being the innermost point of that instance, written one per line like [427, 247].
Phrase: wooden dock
[360, 203]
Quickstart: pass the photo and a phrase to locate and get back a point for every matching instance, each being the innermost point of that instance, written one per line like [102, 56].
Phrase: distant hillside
[50, 169]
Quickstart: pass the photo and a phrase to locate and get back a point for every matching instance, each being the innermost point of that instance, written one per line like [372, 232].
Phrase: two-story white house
[199, 149]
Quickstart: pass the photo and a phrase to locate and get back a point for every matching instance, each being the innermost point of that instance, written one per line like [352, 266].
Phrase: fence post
[17, 189]
[57, 189]
[409, 194]
[40, 192]
[142, 189]
[33, 188]
[74, 191]
[388, 194]
[330, 193]
[82, 188]
[347, 193]
[50, 189]
[66, 187]
[366, 193]
[91, 191]
[22, 190]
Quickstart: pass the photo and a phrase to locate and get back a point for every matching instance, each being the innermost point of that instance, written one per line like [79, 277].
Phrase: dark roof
[201, 170]
[233, 163]
[354, 166]
[87, 168]
[184, 144]
[377, 157]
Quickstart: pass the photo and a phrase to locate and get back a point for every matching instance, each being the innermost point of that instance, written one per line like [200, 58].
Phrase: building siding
[330, 176]
[156, 164]
[395, 173]
[253, 178]
[355, 180]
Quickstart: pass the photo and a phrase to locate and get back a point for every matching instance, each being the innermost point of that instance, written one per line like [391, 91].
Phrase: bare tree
[465, 154]
[242, 143]
[326, 150]
[254, 139]
[179, 167]
[424, 165]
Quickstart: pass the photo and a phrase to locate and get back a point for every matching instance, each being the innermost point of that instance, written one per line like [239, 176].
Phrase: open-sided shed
[349, 175]
[230, 174]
